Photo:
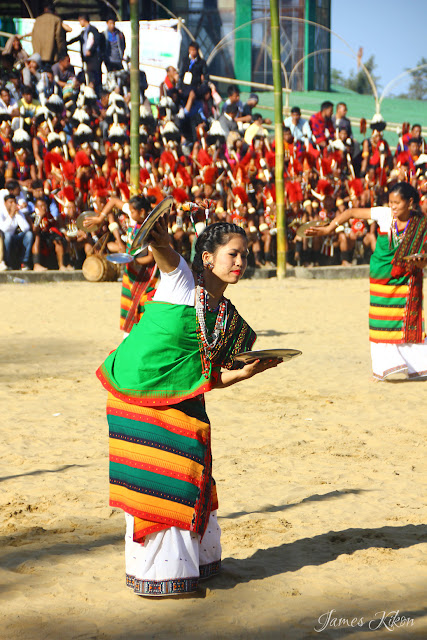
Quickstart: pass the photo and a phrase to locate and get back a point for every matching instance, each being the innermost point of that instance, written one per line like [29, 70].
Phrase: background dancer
[396, 327]
[140, 276]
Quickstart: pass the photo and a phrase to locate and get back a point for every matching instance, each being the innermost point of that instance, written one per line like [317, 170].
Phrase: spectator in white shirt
[17, 234]
[7, 103]
[299, 127]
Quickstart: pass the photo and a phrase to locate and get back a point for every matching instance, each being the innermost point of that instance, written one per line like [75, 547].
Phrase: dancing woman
[160, 445]
[396, 327]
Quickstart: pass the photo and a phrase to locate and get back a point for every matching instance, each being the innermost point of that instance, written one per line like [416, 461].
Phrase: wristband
[113, 226]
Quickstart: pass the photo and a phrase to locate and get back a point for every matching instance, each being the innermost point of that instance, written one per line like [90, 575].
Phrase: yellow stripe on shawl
[398, 290]
[173, 417]
[387, 312]
[158, 507]
[385, 336]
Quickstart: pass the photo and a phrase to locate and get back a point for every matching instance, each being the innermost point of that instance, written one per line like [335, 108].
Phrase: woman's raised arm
[166, 257]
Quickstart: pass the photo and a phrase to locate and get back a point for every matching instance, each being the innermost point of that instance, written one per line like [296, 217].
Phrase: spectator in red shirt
[321, 124]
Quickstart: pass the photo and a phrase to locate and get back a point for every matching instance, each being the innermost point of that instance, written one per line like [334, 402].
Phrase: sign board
[159, 46]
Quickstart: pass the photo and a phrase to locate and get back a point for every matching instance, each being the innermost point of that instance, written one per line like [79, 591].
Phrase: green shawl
[162, 362]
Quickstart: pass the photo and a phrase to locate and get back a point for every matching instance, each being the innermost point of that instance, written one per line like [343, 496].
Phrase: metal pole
[135, 97]
[278, 130]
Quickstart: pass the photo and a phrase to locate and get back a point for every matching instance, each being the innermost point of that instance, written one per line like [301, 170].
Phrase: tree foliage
[357, 82]
[417, 89]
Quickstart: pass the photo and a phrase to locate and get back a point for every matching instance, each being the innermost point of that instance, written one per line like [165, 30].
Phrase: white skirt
[394, 358]
[172, 561]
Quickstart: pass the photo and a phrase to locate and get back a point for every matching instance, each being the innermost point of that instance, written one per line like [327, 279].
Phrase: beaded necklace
[209, 342]
[396, 235]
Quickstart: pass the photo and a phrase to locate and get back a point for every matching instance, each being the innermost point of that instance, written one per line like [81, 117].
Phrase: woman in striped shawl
[396, 324]
[160, 445]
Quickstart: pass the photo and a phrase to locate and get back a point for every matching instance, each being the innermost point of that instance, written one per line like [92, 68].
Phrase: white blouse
[177, 287]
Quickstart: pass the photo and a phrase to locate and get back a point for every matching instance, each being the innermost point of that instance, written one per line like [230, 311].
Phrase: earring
[208, 265]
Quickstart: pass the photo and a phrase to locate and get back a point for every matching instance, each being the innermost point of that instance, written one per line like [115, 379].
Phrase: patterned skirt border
[173, 587]
[401, 368]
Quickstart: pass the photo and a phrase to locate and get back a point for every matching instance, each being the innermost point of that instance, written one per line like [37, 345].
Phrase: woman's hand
[228, 378]
[159, 235]
[92, 220]
[258, 366]
[320, 231]
[419, 262]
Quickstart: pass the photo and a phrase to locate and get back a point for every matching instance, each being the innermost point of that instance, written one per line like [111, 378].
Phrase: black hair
[232, 89]
[214, 236]
[296, 110]
[416, 125]
[194, 44]
[26, 89]
[326, 105]
[37, 184]
[84, 15]
[140, 202]
[406, 191]
[9, 196]
[286, 130]
[4, 88]
[416, 140]
[11, 185]
[231, 108]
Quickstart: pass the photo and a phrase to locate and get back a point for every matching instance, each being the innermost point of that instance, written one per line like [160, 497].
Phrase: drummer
[141, 275]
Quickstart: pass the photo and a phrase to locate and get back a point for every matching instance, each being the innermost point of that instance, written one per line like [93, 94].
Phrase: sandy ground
[320, 476]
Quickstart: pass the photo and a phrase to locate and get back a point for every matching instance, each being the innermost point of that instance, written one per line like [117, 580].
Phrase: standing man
[91, 50]
[321, 124]
[48, 36]
[193, 72]
[114, 46]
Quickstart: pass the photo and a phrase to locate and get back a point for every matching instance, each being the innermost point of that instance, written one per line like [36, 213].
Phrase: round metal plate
[82, 217]
[413, 256]
[141, 239]
[267, 354]
[119, 258]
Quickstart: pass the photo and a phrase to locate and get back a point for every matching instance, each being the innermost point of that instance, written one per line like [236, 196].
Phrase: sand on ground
[319, 470]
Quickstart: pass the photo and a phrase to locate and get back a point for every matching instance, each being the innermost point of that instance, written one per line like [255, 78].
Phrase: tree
[417, 90]
[337, 77]
[357, 82]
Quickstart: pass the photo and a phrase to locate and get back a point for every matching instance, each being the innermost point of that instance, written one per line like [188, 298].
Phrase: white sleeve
[383, 216]
[177, 287]
[126, 209]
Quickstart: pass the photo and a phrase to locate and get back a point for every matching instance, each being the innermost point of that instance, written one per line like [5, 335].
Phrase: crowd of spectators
[64, 149]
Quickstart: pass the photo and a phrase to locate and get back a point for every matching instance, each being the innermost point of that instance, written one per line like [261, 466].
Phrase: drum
[96, 268]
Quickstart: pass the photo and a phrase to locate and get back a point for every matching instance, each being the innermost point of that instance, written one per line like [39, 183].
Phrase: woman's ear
[207, 258]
